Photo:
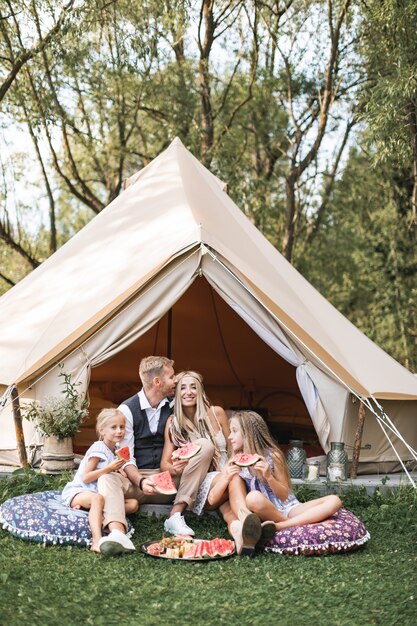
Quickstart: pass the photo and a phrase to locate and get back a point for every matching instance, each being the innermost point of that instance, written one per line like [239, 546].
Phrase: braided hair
[258, 440]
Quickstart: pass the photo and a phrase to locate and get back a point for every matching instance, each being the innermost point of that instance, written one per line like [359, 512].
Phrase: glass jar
[337, 457]
[312, 470]
[296, 458]
[336, 472]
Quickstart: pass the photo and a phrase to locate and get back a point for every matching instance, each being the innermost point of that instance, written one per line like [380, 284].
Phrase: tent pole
[169, 337]
[20, 437]
[358, 441]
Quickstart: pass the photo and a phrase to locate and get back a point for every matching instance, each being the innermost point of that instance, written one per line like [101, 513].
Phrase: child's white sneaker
[176, 525]
[115, 543]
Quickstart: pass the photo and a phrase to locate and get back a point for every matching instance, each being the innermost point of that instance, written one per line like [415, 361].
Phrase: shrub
[60, 417]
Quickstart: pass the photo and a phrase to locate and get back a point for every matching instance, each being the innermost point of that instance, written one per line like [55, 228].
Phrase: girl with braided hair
[268, 483]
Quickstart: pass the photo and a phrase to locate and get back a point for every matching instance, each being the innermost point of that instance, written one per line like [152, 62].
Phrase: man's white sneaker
[115, 543]
[176, 525]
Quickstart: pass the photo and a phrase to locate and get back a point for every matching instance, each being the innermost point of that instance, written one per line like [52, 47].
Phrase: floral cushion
[342, 532]
[44, 518]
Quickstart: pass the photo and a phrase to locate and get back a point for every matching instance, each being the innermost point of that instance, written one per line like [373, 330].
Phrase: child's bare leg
[131, 506]
[237, 495]
[264, 509]
[227, 513]
[94, 502]
[95, 519]
[311, 512]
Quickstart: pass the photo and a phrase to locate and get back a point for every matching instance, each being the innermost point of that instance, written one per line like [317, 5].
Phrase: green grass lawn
[66, 585]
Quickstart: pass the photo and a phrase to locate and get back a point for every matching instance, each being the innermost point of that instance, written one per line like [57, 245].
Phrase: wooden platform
[385, 482]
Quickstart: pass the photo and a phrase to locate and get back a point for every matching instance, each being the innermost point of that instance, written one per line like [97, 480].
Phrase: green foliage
[389, 46]
[305, 492]
[58, 416]
[365, 258]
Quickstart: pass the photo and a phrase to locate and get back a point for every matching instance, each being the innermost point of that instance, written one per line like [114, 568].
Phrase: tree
[315, 94]
[389, 46]
[365, 260]
[246, 85]
[14, 53]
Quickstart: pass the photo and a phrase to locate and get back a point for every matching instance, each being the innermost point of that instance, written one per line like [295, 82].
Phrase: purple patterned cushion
[342, 532]
[44, 518]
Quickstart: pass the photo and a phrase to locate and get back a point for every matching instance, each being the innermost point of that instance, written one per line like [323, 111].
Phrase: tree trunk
[289, 235]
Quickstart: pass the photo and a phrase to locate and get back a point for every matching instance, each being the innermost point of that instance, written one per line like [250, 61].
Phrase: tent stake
[358, 441]
[20, 437]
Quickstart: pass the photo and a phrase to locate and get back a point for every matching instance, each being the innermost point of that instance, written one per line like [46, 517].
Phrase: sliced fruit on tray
[187, 451]
[188, 548]
[163, 483]
[123, 453]
[245, 460]
[210, 549]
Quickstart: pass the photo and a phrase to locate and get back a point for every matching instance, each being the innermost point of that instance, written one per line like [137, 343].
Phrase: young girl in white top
[99, 459]
[268, 482]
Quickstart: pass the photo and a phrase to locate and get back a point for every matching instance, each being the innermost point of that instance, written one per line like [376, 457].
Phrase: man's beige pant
[115, 488]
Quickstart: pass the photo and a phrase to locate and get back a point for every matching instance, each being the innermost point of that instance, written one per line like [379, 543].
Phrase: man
[146, 415]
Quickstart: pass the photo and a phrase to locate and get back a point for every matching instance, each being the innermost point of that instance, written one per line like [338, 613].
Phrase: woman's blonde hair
[201, 427]
[257, 439]
[104, 417]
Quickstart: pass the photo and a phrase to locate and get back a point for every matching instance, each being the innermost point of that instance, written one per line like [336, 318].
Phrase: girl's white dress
[77, 485]
[253, 483]
[203, 491]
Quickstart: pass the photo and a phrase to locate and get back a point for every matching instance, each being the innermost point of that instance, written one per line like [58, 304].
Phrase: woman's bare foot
[77, 507]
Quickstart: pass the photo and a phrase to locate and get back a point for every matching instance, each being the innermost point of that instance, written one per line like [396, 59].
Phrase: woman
[195, 418]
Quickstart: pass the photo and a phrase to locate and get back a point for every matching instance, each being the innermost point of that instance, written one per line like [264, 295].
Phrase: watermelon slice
[207, 550]
[163, 483]
[156, 549]
[200, 549]
[187, 451]
[123, 453]
[245, 460]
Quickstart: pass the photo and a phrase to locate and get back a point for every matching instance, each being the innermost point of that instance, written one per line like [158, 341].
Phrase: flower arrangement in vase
[57, 419]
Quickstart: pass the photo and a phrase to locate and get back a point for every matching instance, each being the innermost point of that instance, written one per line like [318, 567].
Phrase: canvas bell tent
[173, 267]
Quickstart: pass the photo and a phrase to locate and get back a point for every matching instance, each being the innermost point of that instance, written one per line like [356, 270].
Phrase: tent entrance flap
[239, 368]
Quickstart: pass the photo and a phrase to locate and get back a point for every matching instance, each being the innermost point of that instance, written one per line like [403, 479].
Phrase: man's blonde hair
[152, 366]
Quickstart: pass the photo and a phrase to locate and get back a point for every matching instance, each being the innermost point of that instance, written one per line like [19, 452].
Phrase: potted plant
[57, 419]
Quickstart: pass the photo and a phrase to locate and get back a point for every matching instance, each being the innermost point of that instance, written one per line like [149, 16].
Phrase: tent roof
[173, 205]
